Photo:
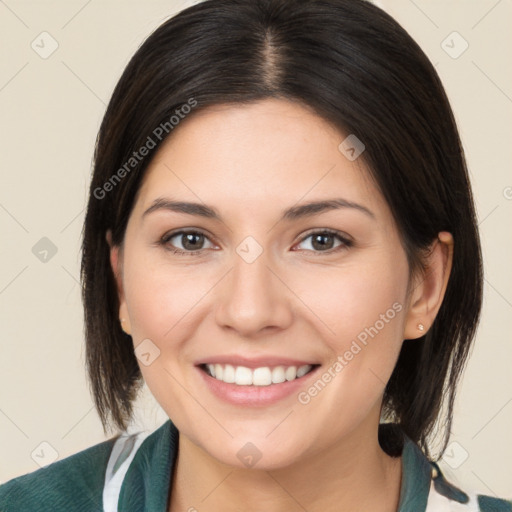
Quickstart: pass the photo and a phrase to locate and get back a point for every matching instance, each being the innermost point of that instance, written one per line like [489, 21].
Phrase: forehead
[256, 156]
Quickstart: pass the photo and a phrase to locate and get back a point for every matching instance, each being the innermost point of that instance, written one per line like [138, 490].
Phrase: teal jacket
[132, 473]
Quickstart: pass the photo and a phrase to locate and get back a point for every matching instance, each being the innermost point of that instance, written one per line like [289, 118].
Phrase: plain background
[51, 109]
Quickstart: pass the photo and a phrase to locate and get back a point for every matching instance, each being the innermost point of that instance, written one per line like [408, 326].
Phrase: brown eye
[192, 241]
[185, 242]
[325, 241]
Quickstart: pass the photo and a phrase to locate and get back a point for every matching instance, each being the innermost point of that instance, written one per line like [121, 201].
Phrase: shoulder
[74, 483]
[444, 496]
[424, 488]
[128, 472]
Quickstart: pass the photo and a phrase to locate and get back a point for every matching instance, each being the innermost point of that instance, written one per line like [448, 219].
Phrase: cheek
[360, 312]
[353, 300]
[366, 316]
[165, 304]
[161, 298]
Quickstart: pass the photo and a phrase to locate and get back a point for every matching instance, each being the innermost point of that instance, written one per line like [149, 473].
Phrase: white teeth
[301, 371]
[243, 376]
[263, 376]
[229, 374]
[290, 373]
[278, 375]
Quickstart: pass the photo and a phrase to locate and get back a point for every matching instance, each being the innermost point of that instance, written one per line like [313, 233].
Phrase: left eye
[323, 241]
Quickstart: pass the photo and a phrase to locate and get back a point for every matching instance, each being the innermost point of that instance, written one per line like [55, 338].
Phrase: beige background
[51, 109]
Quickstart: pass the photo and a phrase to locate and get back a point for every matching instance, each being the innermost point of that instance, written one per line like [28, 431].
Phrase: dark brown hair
[354, 66]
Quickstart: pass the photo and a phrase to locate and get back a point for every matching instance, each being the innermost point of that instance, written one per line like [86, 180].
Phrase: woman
[281, 242]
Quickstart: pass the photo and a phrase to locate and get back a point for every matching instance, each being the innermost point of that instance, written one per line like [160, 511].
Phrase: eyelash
[345, 241]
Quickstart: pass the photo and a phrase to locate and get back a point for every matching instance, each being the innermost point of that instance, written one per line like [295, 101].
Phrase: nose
[253, 298]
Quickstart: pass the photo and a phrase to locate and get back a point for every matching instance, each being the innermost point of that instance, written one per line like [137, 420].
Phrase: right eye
[191, 242]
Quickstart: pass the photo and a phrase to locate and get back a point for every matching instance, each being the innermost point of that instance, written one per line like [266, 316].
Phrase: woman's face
[264, 283]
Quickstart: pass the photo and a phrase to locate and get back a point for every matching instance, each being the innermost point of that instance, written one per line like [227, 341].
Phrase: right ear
[116, 264]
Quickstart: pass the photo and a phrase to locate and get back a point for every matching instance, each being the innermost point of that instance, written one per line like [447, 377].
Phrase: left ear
[430, 287]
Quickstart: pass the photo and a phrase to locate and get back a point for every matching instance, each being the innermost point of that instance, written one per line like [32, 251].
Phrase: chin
[256, 451]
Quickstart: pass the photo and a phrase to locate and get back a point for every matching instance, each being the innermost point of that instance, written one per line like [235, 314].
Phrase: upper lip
[253, 362]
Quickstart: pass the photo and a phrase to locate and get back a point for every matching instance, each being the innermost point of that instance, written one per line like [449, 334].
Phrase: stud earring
[421, 327]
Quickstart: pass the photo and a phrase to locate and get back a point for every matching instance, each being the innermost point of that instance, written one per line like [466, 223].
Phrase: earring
[421, 327]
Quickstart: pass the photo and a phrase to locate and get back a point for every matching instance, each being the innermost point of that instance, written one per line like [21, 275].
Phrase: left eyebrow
[293, 213]
[314, 208]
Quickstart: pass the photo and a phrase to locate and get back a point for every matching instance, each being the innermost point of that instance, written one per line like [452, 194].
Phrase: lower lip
[254, 395]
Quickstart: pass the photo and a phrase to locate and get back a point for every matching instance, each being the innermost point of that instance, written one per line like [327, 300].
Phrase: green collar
[416, 477]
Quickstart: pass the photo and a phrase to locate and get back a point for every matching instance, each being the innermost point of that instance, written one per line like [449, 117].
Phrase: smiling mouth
[262, 376]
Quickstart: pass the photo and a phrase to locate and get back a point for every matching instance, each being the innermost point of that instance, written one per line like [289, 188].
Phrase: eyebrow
[293, 213]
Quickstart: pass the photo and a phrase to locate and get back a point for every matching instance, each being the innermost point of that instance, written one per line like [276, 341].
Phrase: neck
[354, 475]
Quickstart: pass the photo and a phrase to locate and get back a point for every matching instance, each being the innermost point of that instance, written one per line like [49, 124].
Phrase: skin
[295, 300]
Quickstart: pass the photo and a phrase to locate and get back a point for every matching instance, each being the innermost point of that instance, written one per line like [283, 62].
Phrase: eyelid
[341, 234]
